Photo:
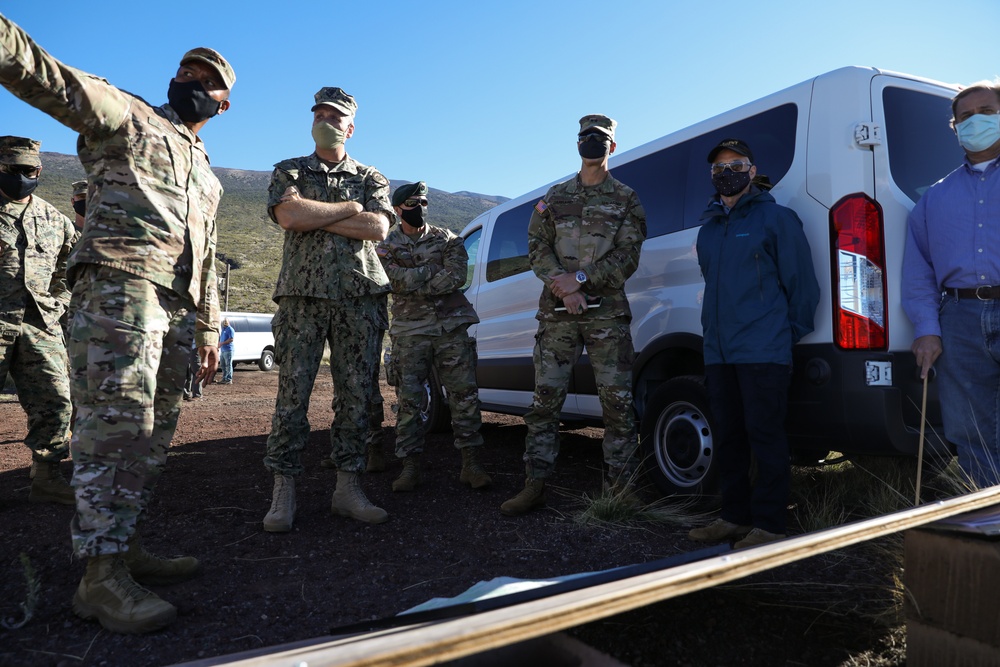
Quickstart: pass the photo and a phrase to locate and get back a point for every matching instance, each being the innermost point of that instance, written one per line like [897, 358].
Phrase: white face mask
[979, 132]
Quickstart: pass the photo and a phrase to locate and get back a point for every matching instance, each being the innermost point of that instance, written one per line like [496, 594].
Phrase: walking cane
[920, 448]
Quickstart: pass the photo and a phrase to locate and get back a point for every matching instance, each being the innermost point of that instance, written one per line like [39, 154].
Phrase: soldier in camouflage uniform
[144, 285]
[584, 240]
[35, 242]
[427, 267]
[331, 289]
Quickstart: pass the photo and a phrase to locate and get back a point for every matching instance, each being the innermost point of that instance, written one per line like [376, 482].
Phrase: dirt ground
[262, 590]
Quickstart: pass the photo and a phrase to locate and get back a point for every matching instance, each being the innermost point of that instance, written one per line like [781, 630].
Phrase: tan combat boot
[109, 594]
[350, 501]
[472, 470]
[619, 486]
[49, 485]
[328, 463]
[282, 513]
[151, 570]
[410, 477]
[530, 497]
[376, 458]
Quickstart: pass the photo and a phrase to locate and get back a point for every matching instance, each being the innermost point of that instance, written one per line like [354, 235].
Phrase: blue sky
[484, 96]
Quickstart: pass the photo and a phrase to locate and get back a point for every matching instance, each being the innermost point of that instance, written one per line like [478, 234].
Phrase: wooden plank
[433, 643]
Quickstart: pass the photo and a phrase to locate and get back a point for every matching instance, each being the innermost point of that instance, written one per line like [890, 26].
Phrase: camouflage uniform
[35, 242]
[430, 321]
[331, 288]
[145, 260]
[599, 230]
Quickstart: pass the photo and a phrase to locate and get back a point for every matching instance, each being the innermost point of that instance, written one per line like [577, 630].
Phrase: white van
[851, 151]
[254, 340]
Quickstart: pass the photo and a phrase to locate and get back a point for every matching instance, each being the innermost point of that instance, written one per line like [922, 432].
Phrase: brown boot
[328, 463]
[280, 517]
[350, 501]
[151, 570]
[472, 470]
[108, 593]
[376, 458]
[410, 477]
[619, 486]
[49, 485]
[531, 496]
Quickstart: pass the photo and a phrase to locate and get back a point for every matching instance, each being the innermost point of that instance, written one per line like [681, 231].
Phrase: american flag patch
[541, 206]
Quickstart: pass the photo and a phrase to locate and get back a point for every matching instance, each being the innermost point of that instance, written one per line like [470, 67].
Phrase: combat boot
[49, 485]
[530, 497]
[376, 458]
[108, 593]
[328, 463]
[350, 501]
[410, 477]
[282, 513]
[472, 470]
[618, 486]
[150, 570]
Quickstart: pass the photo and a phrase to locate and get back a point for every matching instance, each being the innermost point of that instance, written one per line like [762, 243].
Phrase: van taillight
[858, 248]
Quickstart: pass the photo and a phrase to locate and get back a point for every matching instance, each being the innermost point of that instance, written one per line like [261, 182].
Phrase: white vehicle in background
[851, 151]
[254, 340]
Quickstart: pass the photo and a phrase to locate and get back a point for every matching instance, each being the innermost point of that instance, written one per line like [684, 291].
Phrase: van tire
[266, 362]
[434, 411]
[677, 439]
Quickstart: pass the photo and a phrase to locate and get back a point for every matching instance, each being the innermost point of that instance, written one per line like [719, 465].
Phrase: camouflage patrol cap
[404, 192]
[79, 188]
[215, 60]
[336, 98]
[20, 150]
[596, 121]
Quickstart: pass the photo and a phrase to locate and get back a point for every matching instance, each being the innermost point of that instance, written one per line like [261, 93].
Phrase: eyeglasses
[20, 170]
[599, 136]
[413, 203]
[738, 166]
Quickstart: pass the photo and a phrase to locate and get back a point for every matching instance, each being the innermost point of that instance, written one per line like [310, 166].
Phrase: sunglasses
[413, 203]
[20, 170]
[599, 136]
[738, 166]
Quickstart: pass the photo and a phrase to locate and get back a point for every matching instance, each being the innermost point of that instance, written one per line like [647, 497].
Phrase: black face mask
[16, 186]
[593, 147]
[80, 206]
[191, 101]
[414, 217]
[728, 183]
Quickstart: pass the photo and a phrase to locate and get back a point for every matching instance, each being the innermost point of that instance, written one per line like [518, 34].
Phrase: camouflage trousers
[376, 404]
[558, 346]
[36, 360]
[453, 356]
[129, 345]
[301, 327]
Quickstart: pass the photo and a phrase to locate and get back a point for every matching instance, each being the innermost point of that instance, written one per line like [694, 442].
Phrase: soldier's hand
[291, 193]
[209, 355]
[576, 303]
[564, 284]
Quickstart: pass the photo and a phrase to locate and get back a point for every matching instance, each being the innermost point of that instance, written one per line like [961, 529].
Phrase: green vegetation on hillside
[248, 240]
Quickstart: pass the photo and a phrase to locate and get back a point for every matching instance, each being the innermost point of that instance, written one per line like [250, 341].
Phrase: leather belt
[983, 292]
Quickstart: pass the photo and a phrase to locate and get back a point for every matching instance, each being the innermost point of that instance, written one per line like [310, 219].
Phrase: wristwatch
[581, 277]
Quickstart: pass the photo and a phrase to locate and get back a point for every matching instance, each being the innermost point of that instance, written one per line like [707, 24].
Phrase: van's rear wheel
[266, 361]
[676, 436]
[434, 411]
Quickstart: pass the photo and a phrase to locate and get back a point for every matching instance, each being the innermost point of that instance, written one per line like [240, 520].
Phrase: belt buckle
[983, 287]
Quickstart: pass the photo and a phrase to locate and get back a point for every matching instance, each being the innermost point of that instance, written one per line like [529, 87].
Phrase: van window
[509, 243]
[658, 179]
[921, 144]
[472, 249]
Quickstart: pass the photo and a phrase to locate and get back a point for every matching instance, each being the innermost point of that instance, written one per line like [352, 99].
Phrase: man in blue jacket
[760, 296]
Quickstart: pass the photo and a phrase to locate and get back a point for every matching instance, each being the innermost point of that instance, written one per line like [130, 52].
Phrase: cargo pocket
[116, 363]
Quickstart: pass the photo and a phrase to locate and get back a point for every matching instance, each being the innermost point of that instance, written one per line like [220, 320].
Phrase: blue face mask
[979, 132]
